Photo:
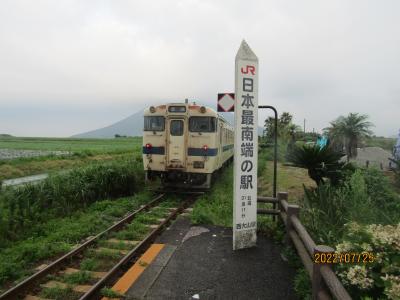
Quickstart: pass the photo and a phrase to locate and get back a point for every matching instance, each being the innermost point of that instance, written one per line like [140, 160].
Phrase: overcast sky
[71, 66]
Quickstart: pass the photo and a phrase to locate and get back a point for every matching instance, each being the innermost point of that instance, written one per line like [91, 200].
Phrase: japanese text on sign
[246, 144]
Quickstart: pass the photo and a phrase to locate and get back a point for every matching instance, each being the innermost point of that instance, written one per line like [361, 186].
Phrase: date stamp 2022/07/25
[344, 257]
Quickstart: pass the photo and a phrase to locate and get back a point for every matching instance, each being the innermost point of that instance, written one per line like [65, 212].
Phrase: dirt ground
[290, 179]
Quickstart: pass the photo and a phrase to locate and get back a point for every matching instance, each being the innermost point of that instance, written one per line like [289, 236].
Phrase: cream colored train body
[185, 144]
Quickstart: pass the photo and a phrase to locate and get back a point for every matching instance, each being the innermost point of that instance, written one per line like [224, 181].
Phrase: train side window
[176, 127]
[202, 124]
[154, 123]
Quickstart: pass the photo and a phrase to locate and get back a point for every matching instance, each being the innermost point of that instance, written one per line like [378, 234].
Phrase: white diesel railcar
[184, 144]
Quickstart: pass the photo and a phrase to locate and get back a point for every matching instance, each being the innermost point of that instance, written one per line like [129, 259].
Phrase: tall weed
[60, 195]
[365, 198]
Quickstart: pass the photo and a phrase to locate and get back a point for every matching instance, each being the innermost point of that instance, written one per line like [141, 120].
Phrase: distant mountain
[133, 126]
[130, 126]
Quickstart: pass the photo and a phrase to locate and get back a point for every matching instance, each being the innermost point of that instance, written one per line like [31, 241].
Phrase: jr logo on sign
[248, 69]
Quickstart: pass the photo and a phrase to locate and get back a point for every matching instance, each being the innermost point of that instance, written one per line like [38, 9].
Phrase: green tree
[286, 129]
[349, 131]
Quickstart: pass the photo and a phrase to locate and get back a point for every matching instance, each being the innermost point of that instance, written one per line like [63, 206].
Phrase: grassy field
[83, 152]
[290, 179]
[95, 146]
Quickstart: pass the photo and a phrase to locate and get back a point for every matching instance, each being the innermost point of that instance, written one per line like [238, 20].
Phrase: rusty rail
[94, 292]
[31, 281]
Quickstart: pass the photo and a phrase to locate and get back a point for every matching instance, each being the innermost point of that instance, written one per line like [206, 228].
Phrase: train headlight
[152, 109]
[205, 148]
[202, 109]
[149, 146]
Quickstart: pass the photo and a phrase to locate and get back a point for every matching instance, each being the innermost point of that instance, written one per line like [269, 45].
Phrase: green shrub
[60, 195]
[382, 194]
[263, 157]
[366, 197]
[396, 169]
[302, 284]
[320, 163]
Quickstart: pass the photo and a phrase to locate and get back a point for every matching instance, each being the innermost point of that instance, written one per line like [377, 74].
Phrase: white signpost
[246, 146]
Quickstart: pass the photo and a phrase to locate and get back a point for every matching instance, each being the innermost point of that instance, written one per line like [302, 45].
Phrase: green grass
[22, 167]
[83, 152]
[216, 207]
[59, 235]
[104, 254]
[58, 293]
[290, 179]
[81, 277]
[107, 292]
[89, 264]
[72, 144]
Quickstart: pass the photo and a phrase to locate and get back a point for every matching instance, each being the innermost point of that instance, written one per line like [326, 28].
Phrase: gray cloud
[318, 59]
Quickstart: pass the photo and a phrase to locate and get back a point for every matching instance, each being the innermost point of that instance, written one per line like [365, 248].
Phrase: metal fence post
[318, 262]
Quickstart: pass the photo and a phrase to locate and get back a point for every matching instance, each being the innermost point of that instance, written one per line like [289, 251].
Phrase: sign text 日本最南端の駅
[246, 145]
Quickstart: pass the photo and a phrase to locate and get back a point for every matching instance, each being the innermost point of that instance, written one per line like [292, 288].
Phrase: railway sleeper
[153, 226]
[111, 250]
[124, 242]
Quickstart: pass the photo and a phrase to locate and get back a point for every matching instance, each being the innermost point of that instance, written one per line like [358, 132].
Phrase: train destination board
[246, 145]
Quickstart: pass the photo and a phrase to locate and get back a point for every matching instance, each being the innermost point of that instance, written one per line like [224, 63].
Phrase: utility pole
[304, 126]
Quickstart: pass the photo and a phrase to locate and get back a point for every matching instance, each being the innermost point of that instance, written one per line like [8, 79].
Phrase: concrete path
[24, 180]
[197, 262]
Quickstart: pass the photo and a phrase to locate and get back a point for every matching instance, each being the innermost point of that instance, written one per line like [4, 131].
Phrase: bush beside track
[21, 209]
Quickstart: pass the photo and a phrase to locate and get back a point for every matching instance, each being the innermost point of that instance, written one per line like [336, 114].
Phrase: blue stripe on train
[154, 150]
[191, 151]
[202, 152]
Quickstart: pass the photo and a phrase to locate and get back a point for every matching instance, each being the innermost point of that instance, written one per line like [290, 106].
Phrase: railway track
[83, 272]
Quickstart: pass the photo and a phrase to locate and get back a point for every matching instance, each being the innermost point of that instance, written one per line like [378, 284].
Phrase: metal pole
[275, 148]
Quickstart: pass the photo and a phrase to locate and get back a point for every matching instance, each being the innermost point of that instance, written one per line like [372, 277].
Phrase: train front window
[176, 127]
[202, 124]
[154, 123]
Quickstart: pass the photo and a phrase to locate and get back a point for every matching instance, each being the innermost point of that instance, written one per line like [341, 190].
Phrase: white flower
[385, 235]
[366, 247]
[393, 289]
[353, 228]
[344, 247]
[357, 275]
